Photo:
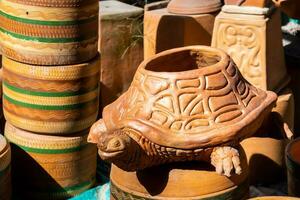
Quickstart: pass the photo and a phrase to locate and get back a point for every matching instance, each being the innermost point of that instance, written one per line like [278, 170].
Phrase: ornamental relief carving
[244, 43]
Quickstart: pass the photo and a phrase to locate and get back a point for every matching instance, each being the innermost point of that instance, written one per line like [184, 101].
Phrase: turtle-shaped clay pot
[184, 104]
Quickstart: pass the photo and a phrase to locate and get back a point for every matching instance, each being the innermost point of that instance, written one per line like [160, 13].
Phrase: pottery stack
[50, 94]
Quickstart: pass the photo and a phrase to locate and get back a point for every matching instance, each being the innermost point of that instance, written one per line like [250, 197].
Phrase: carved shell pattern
[189, 105]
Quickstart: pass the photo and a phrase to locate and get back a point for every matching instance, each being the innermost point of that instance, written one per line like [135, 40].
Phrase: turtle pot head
[111, 145]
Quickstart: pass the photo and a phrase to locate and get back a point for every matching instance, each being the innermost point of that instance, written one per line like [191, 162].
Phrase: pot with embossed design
[185, 104]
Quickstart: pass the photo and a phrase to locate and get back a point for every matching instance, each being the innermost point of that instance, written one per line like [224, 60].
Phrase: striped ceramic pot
[49, 32]
[51, 100]
[5, 180]
[53, 167]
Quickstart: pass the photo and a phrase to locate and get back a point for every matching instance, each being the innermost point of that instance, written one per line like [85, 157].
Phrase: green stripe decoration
[48, 94]
[48, 40]
[52, 151]
[47, 107]
[49, 23]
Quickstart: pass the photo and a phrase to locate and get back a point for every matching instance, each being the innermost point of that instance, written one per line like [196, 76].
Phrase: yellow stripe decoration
[53, 101]
[48, 127]
[69, 72]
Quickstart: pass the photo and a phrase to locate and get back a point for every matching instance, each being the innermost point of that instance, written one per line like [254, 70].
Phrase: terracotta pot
[5, 179]
[184, 181]
[290, 7]
[190, 7]
[256, 3]
[265, 151]
[49, 32]
[182, 105]
[293, 167]
[53, 167]
[275, 198]
[51, 100]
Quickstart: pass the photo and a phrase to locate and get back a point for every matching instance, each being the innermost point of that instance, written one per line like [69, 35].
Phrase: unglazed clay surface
[256, 3]
[194, 6]
[181, 104]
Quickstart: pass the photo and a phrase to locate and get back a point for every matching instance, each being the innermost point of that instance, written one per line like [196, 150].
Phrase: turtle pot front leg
[225, 159]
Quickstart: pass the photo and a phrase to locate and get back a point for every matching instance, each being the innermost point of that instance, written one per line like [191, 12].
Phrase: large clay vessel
[59, 32]
[5, 179]
[293, 167]
[51, 100]
[175, 109]
[190, 7]
[256, 3]
[50, 167]
[184, 181]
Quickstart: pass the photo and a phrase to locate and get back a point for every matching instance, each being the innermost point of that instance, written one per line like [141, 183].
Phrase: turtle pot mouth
[184, 59]
[293, 151]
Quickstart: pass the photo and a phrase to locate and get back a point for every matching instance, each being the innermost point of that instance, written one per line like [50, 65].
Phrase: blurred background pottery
[191, 7]
[289, 7]
[293, 167]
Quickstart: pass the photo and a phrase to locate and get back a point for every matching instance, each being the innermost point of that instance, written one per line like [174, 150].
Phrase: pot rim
[288, 150]
[224, 60]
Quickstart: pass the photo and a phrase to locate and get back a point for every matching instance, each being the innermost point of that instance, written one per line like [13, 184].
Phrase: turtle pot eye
[115, 144]
[183, 61]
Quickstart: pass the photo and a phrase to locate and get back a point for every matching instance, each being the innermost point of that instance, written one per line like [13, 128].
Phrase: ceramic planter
[256, 3]
[250, 35]
[163, 30]
[54, 167]
[174, 110]
[49, 32]
[293, 167]
[51, 100]
[190, 7]
[5, 179]
[184, 181]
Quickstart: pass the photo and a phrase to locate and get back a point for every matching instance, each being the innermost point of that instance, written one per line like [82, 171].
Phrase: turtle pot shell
[188, 98]
[190, 7]
[47, 32]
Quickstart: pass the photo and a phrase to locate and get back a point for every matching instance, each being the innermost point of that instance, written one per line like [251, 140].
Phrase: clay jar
[256, 3]
[191, 7]
[290, 7]
[293, 167]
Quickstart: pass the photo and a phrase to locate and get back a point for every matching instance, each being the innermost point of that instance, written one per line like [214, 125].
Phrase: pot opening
[183, 61]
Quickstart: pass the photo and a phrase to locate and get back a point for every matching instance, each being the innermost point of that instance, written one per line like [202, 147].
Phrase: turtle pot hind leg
[225, 159]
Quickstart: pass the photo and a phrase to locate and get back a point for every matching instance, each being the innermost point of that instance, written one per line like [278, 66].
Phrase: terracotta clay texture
[163, 30]
[293, 167]
[184, 181]
[53, 167]
[256, 3]
[121, 47]
[265, 151]
[49, 32]
[290, 7]
[275, 198]
[175, 108]
[5, 179]
[192, 7]
[51, 100]
[249, 36]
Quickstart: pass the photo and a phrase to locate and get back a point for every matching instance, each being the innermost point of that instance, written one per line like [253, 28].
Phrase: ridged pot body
[5, 171]
[52, 167]
[49, 32]
[184, 181]
[51, 100]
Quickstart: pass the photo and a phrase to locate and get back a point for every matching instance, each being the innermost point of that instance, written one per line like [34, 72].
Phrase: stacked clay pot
[50, 94]
[5, 180]
[49, 32]
[57, 166]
